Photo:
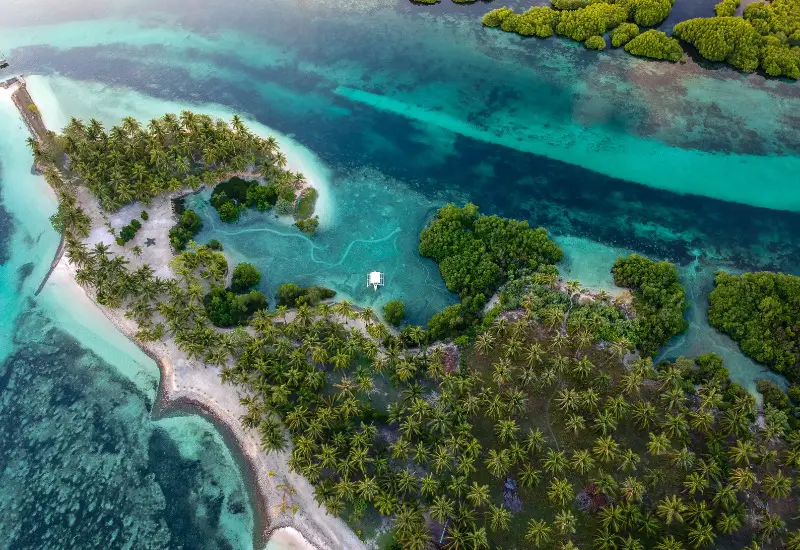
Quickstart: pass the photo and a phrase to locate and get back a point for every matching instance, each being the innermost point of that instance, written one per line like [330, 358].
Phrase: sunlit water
[395, 109]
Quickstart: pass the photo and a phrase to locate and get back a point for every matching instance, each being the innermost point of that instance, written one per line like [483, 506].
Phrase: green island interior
[529, 414]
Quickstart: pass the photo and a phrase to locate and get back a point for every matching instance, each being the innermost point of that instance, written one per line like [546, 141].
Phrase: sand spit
[187, 381]
[184, 380]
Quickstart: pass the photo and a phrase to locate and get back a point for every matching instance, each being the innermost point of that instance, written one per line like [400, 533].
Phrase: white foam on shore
[59, 99]
[287, 538]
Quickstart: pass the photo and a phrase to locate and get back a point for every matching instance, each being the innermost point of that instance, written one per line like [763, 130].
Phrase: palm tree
[742, 452]
[478, 495]
[632, 489]
[564, 522]
[725, 497]
[728, 523]
[695, 482]
[441, 508]
[683, 458]
[605, 540]
[555, 462]
[605, 422]
[671, 509]
[630, 543]
[568, 399]
[498, 463]
[643, 414]
[506, 430]
[529, 477]
[605, 449]
[771, 525]
[777, 486]
[533, 354]
[484, 343]
[534, 441]
[669, 543]
[575, 423]
[742, 478]
[611, 517]
[700, 535]
[582, 461]
[560, 491]
[499, 517]
[538, 532]
[658, 444]
[628, 460]
[793, 542]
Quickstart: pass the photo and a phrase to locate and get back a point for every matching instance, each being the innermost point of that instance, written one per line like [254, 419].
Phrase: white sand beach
[192, 382]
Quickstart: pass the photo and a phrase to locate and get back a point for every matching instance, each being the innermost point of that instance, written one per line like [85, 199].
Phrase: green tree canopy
[761, 311]
[659, 299]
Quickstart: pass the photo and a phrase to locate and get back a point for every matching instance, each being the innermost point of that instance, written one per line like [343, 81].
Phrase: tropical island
[528, 415]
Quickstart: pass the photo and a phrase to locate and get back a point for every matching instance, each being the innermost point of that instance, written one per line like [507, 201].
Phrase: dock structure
[6, 84]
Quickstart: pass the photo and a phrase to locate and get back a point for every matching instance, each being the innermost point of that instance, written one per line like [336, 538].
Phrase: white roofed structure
[375, 279]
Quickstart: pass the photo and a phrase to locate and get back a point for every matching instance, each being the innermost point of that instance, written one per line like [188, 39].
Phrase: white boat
[375, 279]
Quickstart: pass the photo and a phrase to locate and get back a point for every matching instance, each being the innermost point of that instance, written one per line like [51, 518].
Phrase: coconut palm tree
[575, 423]
[498, 463]
[777, 486]
[669, 543]
[499, 517]
[538, 532]
[725, 497]
[611, 518]
[478, 495]
[771, 525]
[658, 444]
[529, 477]
[533, 354]
[671, 508]
[793, 542]
[605, 449]
[695, 482]
[560, 491]
[728, 523]
[484, 343]
[742, 478]
[700, 535]
[565, 522]
[441, 508]
[742, 452]
[555, 462]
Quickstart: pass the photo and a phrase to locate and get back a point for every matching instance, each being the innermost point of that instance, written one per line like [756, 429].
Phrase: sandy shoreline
[189, 382]
[185, 382]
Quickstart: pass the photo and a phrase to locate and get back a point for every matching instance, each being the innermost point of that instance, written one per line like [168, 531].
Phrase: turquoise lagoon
[404, 108]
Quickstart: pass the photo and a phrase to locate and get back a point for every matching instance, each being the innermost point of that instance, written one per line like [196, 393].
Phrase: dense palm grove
[130, 162]
[540, 436]
[539, 428]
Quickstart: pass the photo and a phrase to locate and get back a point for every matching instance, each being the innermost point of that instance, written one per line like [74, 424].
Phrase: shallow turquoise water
[83, 463]
[404, 109]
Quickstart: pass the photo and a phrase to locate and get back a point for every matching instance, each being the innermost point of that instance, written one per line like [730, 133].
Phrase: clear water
[84, 462]
[405, 108]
